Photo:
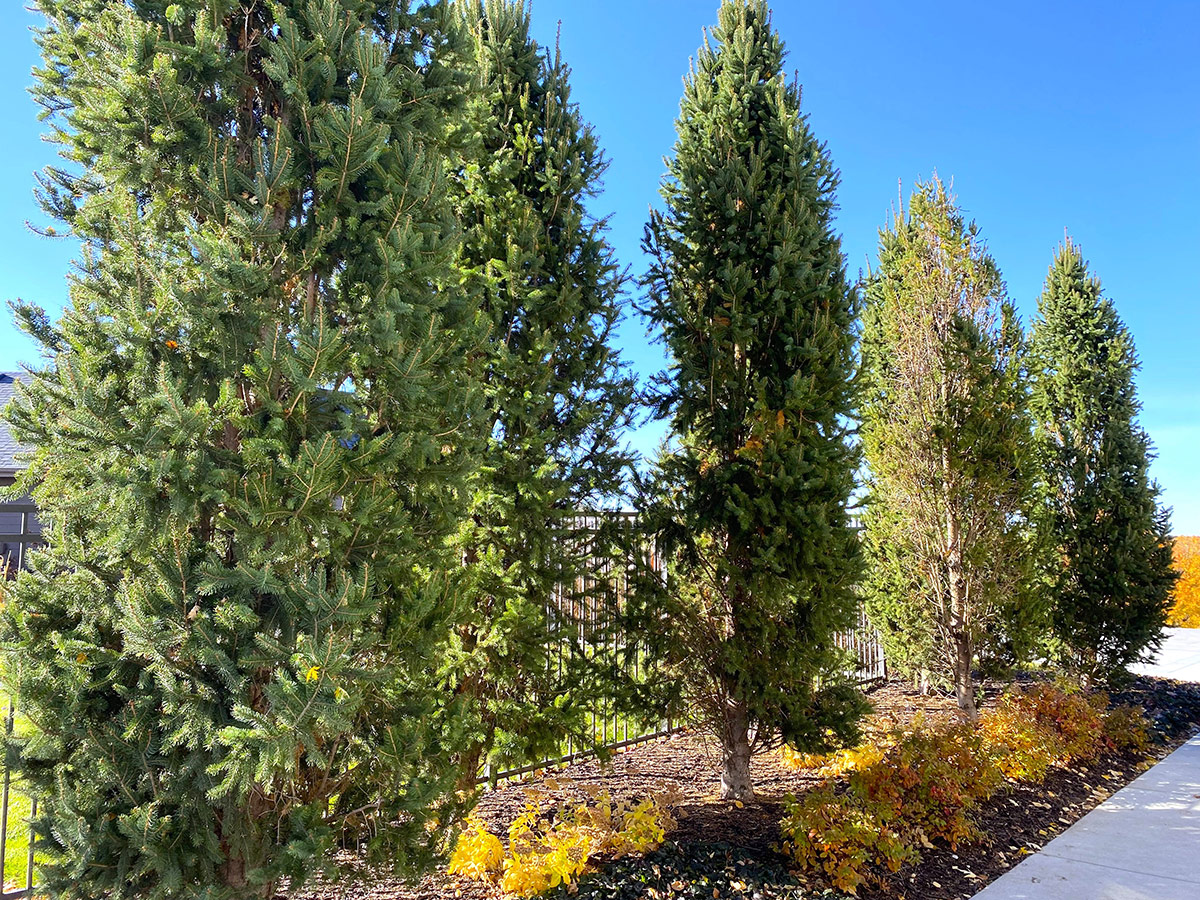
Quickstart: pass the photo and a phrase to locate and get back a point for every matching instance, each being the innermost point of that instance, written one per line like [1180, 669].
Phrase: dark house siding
[19, 524]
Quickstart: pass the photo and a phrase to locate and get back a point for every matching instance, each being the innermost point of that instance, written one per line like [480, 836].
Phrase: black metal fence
[20, 530]
[611, 729]
[17, 843]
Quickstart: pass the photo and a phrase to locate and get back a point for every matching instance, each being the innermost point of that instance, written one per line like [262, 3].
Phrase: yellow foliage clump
[478, 855]
[1185, 606]
[878, 738]
[545, 851]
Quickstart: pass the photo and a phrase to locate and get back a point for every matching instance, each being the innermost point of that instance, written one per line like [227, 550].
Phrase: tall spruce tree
[748, 284]
[946, 438]
[557, 400]
[1108, 537]
[251, 446]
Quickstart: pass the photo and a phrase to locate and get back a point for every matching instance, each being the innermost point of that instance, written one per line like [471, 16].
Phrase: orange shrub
[1185, 608]
[842, 836]
[930, 779]
[1127, 729]
[921, 785]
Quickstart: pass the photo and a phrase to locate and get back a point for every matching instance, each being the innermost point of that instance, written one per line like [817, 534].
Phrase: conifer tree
[946, 435]
[557, 399]
[1108, 536]
[748, 284]
[251, 446]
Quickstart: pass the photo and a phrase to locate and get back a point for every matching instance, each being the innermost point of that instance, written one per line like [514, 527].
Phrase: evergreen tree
[557, 400]
[946, 434]
[1108, 536]
[250, 442]
[748, 284]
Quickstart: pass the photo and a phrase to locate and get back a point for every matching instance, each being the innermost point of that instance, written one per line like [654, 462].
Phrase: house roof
[9, 448]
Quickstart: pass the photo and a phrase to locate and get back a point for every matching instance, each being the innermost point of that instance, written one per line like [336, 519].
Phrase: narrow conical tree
[249, 446]
[946, 438]
[748, 284]
[1107, 535]
[557, 399]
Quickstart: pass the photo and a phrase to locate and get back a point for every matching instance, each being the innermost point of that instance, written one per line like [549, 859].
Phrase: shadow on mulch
[719, 850]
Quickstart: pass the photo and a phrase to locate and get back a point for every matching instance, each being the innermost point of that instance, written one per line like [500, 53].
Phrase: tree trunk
[233, 874]
[960, 618]
[468, 769]
[964, 689]
[735, 753]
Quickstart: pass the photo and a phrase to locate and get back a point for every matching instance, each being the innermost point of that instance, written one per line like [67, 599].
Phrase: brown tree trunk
[735, 753]
[960, 619]
[964, 689]
[233, 873]
[468, 772]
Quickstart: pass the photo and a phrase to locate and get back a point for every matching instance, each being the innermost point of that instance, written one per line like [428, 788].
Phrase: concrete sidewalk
[1143, 843]
[1178, 658]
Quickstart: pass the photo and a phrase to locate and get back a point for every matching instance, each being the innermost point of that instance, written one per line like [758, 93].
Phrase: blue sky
[1076, 115]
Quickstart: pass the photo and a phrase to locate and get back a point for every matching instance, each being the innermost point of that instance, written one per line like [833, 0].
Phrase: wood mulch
[720, 850]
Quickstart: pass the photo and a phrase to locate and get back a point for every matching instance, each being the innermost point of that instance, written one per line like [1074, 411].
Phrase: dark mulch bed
[721, 851]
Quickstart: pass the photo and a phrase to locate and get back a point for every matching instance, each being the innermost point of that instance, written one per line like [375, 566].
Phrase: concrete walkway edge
[1143, 842]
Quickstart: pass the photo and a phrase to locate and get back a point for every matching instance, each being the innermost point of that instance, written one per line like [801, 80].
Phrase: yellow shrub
[543, 854]
[1022, 749]
[541, 858]
[841, 835]
[478, 855]
[794, 759]
[644, 827]
[876, 741]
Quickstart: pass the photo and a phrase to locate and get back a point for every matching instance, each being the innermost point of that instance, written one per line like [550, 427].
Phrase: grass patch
[16, 849]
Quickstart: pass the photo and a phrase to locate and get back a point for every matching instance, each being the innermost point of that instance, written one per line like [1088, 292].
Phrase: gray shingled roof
[9, 448]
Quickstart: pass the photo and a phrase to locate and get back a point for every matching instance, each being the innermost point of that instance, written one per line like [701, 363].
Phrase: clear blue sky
[1077, 115]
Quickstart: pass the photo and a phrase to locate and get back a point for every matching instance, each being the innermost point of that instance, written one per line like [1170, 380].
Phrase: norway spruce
[1108, 536]
[556, 400]
[250, 436]
[749, 287]
[946, 438]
